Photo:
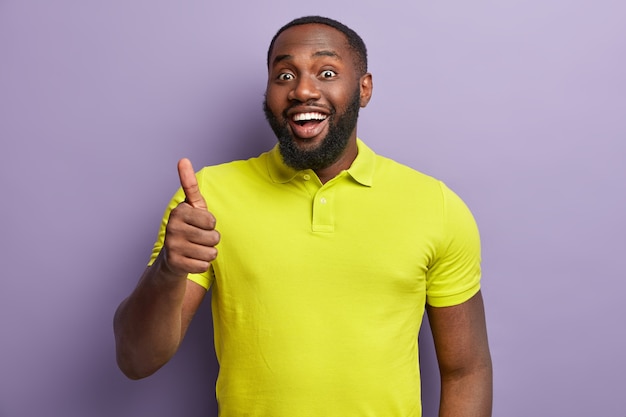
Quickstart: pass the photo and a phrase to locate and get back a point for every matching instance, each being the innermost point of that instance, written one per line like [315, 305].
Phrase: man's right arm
[150, 324]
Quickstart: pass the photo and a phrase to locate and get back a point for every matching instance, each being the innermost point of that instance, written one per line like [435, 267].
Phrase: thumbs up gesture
[190, 235]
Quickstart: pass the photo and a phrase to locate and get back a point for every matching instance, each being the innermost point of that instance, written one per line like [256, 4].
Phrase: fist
[190, 235]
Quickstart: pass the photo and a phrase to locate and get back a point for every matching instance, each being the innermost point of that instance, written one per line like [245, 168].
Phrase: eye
[328, 74]
[285, 76]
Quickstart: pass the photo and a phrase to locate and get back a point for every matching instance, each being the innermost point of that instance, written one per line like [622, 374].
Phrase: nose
[304, 89]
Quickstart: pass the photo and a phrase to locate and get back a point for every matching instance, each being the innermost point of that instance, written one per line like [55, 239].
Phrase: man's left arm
[460, 336]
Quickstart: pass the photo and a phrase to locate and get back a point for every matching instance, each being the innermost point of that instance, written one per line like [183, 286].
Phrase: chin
[307, 144]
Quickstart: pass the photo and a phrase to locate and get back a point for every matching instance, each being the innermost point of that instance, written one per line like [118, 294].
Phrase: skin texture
[311, 69]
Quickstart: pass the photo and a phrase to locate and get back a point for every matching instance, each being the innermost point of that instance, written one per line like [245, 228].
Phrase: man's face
[313, 95]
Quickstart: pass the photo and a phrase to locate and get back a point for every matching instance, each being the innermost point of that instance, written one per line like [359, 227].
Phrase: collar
[361, 170]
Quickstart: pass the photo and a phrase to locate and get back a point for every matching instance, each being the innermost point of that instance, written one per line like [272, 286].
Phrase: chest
[331, 236]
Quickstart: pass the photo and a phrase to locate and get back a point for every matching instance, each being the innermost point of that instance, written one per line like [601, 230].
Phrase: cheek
[274, 100]
[340, 97]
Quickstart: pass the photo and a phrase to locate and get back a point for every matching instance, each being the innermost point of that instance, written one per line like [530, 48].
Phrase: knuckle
[215, 238]
[212, 220]
[199, 267]
[212, 255]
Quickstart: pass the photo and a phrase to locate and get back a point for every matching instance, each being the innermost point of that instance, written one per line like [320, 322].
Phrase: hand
[190, 235]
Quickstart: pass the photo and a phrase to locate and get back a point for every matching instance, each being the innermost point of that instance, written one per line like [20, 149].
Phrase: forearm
[467, 395]
[148, 324]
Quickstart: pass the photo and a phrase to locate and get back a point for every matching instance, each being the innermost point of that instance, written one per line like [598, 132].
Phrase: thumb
[190, 184]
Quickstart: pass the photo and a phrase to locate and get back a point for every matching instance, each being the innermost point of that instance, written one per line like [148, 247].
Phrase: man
[328, 256]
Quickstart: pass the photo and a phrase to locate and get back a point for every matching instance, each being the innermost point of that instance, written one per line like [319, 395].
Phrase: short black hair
[355, 42]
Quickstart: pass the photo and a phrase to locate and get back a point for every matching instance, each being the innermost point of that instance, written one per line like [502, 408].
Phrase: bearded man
[329, 255]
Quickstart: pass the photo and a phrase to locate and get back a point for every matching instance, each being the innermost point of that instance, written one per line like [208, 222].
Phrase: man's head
[317, 81]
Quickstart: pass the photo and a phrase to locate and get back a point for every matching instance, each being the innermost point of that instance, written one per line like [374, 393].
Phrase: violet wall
[520, 106]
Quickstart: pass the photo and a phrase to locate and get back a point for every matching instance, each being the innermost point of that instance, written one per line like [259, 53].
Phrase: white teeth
[300, 117]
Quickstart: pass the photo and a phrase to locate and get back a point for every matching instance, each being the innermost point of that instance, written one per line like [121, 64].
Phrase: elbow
[134, 358]
[135, 362]
[481, 371]
[478, 366]
[135, 369]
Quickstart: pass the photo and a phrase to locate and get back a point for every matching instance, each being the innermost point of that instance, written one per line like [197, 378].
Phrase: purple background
[520, 106]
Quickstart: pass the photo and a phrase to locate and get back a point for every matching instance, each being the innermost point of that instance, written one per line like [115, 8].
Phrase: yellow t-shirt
[318, 291]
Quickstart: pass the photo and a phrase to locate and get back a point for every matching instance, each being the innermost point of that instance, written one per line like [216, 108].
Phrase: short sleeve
[454, 274]
[205, 279]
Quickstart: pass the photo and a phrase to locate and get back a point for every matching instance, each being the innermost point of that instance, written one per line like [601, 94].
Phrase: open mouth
[308, 125]
[303, 118]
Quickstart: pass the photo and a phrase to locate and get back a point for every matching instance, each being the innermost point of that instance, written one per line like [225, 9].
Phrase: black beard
[340, 128]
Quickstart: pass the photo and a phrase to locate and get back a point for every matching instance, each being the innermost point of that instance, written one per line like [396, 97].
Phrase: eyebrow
[323, 52]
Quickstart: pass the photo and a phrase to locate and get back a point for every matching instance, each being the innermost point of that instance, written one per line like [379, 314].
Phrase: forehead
[310, 39]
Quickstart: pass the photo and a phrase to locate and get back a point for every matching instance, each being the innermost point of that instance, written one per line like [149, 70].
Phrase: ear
[366, 89]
